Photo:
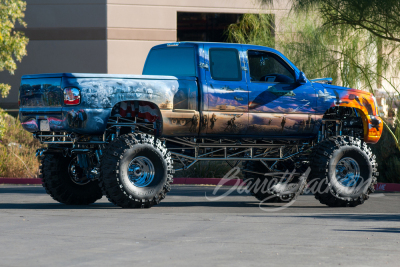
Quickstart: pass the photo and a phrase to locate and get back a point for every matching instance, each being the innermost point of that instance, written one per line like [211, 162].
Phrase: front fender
[330, 96]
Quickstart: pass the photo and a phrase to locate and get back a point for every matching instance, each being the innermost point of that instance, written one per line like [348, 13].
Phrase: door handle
[229, 89]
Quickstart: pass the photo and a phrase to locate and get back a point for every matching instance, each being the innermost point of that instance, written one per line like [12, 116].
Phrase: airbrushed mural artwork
[196, 102]
[114, 97]
[255, 93]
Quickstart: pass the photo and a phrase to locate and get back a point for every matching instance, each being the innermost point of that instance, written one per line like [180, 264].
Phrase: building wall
[65, 36]
[134, 26]
[105, 36]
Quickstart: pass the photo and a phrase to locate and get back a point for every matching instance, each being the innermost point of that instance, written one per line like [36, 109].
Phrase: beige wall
[134, 26]
[128, 56]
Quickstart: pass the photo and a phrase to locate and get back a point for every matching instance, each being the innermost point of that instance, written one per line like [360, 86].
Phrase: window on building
[207, 27]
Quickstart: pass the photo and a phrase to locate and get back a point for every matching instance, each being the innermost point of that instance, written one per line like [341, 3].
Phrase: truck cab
[252, 91]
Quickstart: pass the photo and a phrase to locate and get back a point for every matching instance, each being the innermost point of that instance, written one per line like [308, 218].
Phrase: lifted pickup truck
[119, 135]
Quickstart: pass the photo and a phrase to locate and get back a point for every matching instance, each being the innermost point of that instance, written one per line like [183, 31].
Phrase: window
[209, 27]
[181, 99]
[173, 61]
[225, 64]
[268, 67]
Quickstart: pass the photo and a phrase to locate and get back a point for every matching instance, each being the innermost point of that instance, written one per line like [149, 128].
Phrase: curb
[26, 181]
[199, 181]
[382, 187]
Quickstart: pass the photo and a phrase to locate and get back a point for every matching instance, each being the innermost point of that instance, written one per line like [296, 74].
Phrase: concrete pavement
[187, 229]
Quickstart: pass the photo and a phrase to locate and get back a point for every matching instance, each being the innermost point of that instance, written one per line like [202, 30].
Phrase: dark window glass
[225, 64]
[43, 92]
[209, 27]
[181, 99]
[268, 67]
[172, 61]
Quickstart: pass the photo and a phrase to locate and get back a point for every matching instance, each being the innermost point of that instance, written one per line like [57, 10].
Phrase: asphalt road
[188, 229]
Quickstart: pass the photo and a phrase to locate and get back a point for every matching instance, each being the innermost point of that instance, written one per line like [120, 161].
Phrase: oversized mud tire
[262, 189]
[343, 171]
[60, 186]
[136, 171]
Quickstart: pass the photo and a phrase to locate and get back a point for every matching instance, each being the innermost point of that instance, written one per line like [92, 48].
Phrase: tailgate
[40, 104]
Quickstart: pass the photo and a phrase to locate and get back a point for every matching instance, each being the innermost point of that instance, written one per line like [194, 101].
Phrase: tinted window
[268, 67]
[181, 99]
[43, 92]
[225, 64]
[173, 61]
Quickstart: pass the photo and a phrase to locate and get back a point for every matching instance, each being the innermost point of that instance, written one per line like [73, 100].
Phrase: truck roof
[248, 46]
[102, 75]
[232, 45]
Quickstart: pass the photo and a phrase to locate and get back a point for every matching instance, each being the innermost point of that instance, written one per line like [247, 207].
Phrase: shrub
[388, 158]
[17, 149]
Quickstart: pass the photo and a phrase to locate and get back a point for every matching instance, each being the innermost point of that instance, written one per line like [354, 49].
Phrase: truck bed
[41, 99]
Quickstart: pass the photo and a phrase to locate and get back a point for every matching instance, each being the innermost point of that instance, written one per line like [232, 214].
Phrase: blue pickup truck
[120, 135]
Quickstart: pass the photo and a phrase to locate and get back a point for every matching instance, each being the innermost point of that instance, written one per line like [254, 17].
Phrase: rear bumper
[70, 120]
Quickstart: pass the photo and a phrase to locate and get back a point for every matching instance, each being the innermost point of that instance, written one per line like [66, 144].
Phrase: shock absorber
[338, 132]
[323, 130]
[98, 154]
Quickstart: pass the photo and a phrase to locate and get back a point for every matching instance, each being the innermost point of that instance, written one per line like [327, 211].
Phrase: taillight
[72, 96]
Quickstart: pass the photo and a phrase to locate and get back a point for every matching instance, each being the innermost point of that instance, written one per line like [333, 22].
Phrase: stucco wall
[65, 36]
[133, 27]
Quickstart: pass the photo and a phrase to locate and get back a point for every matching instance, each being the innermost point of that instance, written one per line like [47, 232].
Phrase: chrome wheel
[347, 172]
[141, 171]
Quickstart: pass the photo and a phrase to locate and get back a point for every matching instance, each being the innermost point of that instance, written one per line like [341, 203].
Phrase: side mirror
[302, 78]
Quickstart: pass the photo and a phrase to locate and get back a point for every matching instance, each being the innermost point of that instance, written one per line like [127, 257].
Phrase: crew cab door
[225, 94]
[278, 105]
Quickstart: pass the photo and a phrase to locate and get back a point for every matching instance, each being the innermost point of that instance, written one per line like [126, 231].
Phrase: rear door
[226, 96]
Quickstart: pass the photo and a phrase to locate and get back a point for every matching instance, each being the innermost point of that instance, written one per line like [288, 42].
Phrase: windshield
[171, 61]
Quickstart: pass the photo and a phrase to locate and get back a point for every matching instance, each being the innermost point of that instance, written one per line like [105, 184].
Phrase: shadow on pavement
[23, 190]
[55, 206]
[375, 230]
[165, 204]
[349, 217]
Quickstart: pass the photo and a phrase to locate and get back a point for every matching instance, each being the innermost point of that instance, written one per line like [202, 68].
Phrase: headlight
[376, 106]
[72, 96]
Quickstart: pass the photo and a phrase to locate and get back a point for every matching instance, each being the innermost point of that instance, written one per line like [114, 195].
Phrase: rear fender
[147, 111]
[100, 97]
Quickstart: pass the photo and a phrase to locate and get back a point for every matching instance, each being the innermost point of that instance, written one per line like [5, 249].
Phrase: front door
[278, 106]
[226, 96]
